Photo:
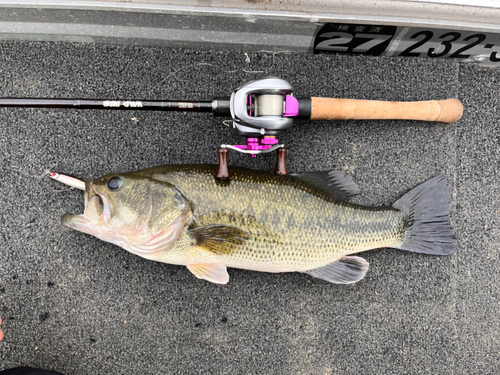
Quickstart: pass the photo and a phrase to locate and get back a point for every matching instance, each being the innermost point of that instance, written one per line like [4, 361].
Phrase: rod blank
[148, 105]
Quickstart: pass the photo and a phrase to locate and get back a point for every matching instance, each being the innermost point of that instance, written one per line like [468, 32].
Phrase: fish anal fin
[347, 270]
[219, 239]
[213, 272]
[337, 183]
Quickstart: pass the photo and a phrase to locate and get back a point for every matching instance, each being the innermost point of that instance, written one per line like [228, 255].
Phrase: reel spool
[269, 105]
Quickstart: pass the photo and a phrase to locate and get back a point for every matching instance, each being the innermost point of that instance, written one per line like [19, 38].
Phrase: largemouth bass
[183, 215]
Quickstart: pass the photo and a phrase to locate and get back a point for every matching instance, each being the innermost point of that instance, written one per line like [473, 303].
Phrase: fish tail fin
[428, 208]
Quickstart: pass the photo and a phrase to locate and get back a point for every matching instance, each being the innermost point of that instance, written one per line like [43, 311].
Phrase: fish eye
[115, 183]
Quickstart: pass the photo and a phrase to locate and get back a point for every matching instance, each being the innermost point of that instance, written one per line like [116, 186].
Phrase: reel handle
[223, 173]
[449, 110]
[281, 168]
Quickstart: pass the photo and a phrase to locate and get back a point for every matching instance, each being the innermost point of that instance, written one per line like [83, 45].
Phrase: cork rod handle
[449, 110]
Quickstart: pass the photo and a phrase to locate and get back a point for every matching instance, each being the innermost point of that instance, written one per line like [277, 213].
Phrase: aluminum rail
[291, 25]
[225, 22]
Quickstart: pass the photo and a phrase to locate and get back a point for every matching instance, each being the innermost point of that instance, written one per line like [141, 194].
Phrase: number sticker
[451, 44]
[479, 38]
[349, 38]
[446, 43]
[427, 36]
[466, 46]
[494, 58]
[334, 39]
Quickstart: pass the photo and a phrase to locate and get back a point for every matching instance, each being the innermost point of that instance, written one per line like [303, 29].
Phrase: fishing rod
[262, 109]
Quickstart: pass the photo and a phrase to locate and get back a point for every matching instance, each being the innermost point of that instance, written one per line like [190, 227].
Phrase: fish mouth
[97, 211]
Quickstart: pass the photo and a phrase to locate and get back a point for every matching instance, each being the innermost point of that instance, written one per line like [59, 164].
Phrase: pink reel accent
[257, 144]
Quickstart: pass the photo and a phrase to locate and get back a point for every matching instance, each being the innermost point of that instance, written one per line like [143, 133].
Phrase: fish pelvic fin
[337, 183]
[428, 208]
[219, 239]
[213, 272]
[347, 270]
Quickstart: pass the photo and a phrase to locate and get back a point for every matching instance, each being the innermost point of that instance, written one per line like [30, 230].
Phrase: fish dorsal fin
[337, 183]
[213, 272]
[219, 239]
[347, 270]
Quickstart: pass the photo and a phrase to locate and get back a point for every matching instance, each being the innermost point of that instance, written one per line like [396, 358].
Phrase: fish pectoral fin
[347, 270]
[337, 183]
[213, 272]
[219, 239]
